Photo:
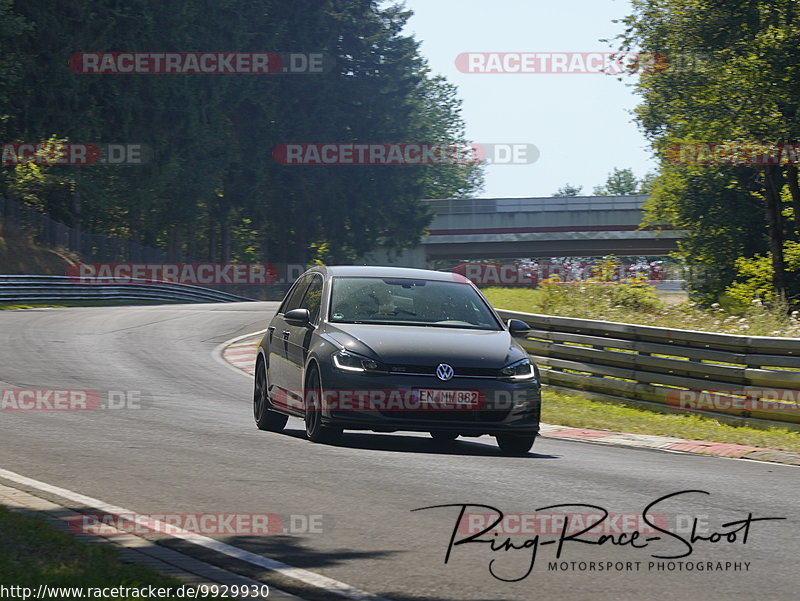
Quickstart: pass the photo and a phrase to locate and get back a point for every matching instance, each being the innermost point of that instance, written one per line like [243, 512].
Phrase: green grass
[573, 410]
[641, 305]
[33, 552]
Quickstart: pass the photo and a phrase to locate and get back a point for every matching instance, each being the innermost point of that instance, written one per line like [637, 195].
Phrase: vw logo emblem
[444, 372]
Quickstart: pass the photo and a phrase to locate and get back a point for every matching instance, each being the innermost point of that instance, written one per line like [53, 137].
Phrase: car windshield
[406, 301]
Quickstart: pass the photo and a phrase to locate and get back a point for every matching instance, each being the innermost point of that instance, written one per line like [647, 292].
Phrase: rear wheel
[443, 435]
[266, 418]
[315, 430]
[515, 444]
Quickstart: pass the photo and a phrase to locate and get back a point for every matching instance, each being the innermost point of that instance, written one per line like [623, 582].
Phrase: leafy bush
[634, 296]
[637, 304]
[754, 277]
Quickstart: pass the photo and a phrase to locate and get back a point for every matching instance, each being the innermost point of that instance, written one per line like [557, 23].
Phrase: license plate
[448, 399]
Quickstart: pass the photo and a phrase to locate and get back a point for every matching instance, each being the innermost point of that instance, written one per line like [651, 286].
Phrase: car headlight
[347, 361]
[520, 371]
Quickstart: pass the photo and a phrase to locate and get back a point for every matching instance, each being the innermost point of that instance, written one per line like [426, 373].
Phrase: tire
[515, 444]
[266, 418]
[443, 435]
[315, 430]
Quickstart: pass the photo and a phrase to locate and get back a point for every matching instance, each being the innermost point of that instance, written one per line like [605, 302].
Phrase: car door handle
[286, 334]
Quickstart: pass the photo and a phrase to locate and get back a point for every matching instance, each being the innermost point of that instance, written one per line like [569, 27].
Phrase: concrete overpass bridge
[579, 226]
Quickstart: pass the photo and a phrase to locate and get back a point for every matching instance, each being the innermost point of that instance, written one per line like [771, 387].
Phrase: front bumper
[503, 407]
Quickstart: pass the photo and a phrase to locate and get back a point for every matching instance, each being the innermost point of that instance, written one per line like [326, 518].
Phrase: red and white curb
[240, 353]
[669, 443]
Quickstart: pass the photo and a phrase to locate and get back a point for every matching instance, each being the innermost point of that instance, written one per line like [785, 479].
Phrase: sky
[580, 123]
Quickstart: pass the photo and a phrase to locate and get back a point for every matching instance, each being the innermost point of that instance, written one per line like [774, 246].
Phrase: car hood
[412, 345]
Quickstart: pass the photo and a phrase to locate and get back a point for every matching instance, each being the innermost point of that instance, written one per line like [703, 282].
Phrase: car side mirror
[297, 317]
[517, 326]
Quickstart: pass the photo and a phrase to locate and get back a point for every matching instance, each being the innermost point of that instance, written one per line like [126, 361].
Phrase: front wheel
[515, 444]
[315, 430]
[266, 419]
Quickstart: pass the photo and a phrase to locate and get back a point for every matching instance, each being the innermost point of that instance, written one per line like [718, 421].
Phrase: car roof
[385, 272]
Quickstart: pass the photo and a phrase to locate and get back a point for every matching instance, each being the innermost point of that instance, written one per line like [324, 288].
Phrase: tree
[620, 182]
[742, 86]
[719, 211]
[568, 190]
[646, 183]
[12, 61]
[213, 189]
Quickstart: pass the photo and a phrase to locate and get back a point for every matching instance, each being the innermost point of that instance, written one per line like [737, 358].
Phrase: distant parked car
[390, 349]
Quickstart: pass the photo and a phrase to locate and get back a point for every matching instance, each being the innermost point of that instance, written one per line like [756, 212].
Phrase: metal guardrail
[737, 379]
[53, 288]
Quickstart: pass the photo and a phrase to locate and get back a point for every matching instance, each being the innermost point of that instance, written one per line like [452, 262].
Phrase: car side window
[313, 298]
[292, 300]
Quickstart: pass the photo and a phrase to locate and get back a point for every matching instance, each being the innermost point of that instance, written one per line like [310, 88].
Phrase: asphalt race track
[189, 445]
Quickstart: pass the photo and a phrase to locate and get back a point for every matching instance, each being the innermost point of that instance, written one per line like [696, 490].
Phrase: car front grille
[430, 370]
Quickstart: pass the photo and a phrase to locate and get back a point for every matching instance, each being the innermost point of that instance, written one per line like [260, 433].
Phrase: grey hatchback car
[393, 349]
